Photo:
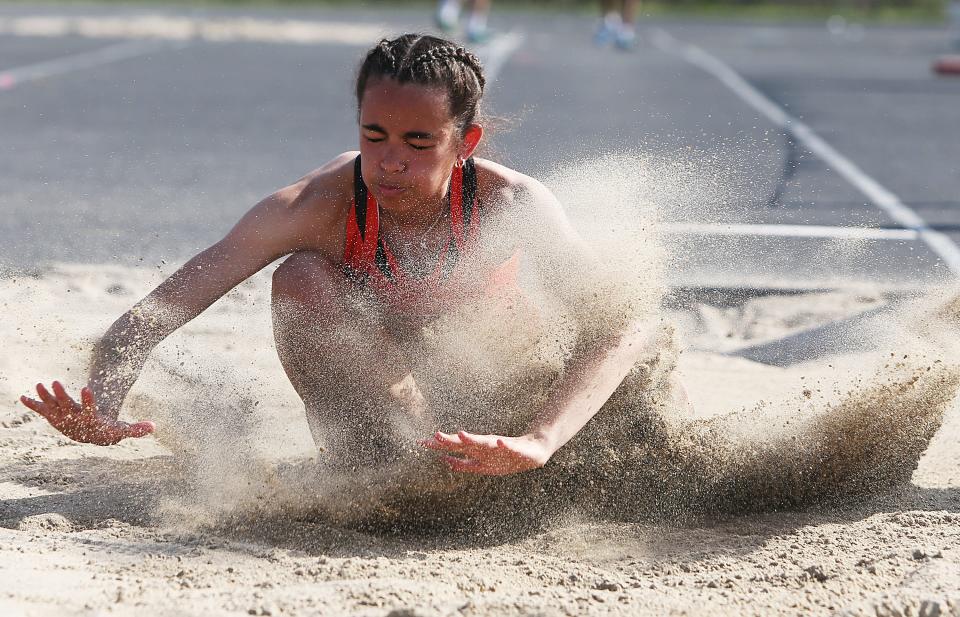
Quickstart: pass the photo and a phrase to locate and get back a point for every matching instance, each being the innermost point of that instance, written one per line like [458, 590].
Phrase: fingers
[462, 442]
[484, 441]
[489, 455]
[432, 444]
[477, 467]
[87, 400]
[87, 427]
[140, 429]
[109, 433]
[442, 441]
[448, 439]
[62, 397]
[102, 436]
[461, 464]
[36, 406]
[47, 406]
[45, 395]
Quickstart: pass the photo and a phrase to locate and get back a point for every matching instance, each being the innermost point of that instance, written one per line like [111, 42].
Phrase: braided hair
[429, 61]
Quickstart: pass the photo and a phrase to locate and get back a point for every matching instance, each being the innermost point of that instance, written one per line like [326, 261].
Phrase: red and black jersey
[368, 260]
[367, 256]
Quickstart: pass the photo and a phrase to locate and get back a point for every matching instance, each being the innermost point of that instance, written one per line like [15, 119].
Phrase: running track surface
[119, 147]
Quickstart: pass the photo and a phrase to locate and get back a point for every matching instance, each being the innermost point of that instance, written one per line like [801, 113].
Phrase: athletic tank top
[368, 260]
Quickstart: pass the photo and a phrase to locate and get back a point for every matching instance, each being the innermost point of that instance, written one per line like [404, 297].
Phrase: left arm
[606, 351]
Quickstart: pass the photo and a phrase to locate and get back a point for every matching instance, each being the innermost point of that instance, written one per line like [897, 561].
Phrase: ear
[471, 139]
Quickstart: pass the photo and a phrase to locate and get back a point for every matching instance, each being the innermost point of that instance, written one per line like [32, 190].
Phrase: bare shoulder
[308, 214]
[317, 204]
[502, 187]
[532, 210]
[323, 188]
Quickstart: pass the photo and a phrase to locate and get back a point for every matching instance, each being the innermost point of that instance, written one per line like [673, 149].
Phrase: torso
[452, 275]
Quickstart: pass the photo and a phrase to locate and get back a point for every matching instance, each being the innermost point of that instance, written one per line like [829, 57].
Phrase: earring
[459, 162]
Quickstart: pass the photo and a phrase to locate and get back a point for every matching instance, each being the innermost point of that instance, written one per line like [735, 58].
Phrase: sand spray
[244, 445]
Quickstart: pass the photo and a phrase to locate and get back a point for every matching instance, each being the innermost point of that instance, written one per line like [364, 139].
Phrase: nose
[392, 162]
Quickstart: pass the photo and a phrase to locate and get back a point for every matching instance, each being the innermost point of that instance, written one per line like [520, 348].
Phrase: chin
[396, 203]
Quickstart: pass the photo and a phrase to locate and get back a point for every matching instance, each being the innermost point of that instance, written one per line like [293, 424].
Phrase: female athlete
[402, 222]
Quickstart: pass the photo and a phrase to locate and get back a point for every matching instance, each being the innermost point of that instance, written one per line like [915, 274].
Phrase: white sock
[477, 22]
[449, 11]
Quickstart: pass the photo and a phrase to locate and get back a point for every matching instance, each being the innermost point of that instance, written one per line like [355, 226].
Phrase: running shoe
[606, 33]
[626, 39]
[478, 35]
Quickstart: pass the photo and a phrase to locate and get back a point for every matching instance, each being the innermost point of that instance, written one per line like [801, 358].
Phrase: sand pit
[192, 522]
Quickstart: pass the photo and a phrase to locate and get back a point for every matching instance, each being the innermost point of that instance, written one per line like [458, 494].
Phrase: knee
[306, 278]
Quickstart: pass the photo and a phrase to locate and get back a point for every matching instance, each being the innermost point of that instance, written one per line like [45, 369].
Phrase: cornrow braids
[472, 61]
[458, 54]
[383, 48]
[429, 61]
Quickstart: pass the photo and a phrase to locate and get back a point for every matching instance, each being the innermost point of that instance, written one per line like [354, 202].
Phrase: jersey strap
[362, 251]
[365, 252]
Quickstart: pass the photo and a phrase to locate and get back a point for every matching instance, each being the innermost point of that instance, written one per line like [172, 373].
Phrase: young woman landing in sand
[399, 222]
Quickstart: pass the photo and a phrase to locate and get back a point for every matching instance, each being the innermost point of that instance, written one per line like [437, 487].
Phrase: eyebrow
[408, 135]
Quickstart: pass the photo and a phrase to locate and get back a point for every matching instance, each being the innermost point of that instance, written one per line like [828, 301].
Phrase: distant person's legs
[477, 22]
[448, 14]
[448, 17]
[617, 24]
[953, 13]
[609, 24]
[627, 35]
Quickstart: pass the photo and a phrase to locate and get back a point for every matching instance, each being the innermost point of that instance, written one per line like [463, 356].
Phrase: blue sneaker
[606, 33]
[626, 39]
[478, 35]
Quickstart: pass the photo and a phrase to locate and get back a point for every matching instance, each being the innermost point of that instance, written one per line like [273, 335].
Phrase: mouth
[388, 189]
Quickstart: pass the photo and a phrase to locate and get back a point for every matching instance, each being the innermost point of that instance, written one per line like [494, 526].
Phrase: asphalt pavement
[122, 146]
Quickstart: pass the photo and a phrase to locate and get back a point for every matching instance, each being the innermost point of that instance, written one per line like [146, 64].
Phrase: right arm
[302, 216]
[261, 236]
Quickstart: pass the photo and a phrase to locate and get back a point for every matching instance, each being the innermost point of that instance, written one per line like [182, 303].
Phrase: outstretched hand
[489, 455]
[80, 421]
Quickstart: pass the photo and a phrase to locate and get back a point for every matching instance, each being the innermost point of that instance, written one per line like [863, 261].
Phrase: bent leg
[347, 369]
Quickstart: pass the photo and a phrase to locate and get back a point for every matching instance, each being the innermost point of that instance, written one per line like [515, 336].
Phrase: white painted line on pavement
[495, 53]
[182, 28]
[789, 231]
[10, 78]
[939, 243]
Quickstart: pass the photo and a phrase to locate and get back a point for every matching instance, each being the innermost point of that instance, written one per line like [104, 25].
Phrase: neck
[404, 236]
[418, 217]
[421, 215]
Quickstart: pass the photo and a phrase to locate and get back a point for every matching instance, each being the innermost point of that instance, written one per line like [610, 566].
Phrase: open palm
[490, 455]
[80, 421]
